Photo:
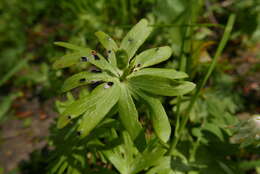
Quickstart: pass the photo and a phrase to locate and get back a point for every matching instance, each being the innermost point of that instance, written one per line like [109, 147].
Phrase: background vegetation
[218, 136]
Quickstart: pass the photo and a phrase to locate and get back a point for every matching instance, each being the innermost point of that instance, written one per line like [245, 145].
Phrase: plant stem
[202, 83]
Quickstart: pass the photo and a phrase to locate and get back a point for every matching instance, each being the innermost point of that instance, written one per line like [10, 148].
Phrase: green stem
[202, 83]
[188, 25]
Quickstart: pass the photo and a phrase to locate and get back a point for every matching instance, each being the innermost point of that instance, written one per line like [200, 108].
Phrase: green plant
[124, 77]
[109, 121]
[247, 132]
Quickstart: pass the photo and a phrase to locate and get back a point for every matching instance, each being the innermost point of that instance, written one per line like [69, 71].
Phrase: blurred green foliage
[29, 28]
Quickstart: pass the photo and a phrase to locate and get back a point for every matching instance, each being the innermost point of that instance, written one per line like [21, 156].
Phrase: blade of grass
[14, 70]
[189, 25]
[202, 83]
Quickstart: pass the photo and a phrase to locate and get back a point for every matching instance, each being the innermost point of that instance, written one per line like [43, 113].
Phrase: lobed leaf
[148, 158]
[160, 72]
[152, 56]
[127, 159]
[135, 37]
[121, 156]
[162, 86]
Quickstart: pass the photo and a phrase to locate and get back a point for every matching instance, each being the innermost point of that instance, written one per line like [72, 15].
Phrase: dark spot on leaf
[84, 59]
[138, 65]
[96, 57]
[78, 133]
[95, 83]
[82, 80]
[109, 51]
[130, 40]
[110, 83]
[122, 154]
[96, 71]
[69, 117]
[103, 140]
[94, 53]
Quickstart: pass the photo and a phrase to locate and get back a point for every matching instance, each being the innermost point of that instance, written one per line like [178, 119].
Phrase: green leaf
[106, 41]
[63, 168]
[213, 128]
[81, 105]
[161, 124]
[128, 113]
[70, 59]
[130, 149]
[162, 86]
[57, 165]
[152, 56]
[102, 63]
[171, 165]
[77, 57]
[160, 72]
[158, 115]
[112, 58]
[117, 160]
[62, 121]
[99, 109]
[109, 44]
[127, 159]
[135, 38]
[122, 61]
[148, 158]
[70, 46]
[83, 78]
[122, 156]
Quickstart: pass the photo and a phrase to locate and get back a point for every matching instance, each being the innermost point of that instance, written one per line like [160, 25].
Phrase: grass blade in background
[6, 104]
[14, 70]
[221, 46]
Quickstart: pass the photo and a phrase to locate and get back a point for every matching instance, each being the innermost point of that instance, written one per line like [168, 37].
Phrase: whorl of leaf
[124, 75]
